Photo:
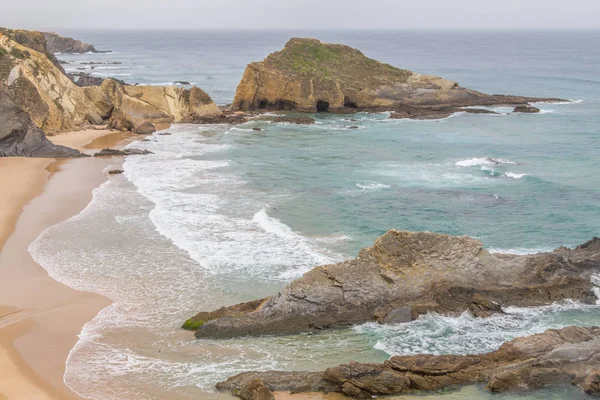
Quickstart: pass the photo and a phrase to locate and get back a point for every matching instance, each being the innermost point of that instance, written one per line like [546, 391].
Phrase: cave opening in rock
[349, 103]
[286, 105]
[263, 104]
[322, 106]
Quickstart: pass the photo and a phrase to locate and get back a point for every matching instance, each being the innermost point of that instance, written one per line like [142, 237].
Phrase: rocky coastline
[50, 102]
[402, 276]
[307, 76]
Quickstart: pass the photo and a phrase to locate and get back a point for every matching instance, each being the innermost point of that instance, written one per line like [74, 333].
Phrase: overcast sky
[301, 14]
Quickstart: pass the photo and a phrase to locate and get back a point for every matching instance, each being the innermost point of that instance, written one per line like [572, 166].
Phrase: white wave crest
[471, 162]
[372, 185]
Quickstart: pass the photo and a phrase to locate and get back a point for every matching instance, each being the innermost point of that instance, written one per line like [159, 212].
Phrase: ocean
[223, 214]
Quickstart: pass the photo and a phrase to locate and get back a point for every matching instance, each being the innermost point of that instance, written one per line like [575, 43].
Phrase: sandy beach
[39, 317]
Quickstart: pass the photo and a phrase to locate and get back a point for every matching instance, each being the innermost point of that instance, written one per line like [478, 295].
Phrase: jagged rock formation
[140, 108]
[555, 357]
[60, 44]
[37, 84]
[19, 136]
[406, 274]
[309, 76]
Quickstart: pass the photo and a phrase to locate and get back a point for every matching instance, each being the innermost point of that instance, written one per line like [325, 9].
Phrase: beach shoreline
[40, 318]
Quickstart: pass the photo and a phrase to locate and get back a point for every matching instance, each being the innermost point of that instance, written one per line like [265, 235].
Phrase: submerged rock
[312, 76]
[527, 108]
[555, 357]
[123, 152]
[295, 120]
[115, 171]
[418, 272]
[433, 112]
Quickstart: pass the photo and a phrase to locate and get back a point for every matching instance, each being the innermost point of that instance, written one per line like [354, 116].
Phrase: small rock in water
[124, 152]
[115, 171]
[527, 108]
[295, 120]
[353, 127]
[146, 140]
[165, 134]
[182, 83]
[145, 128]
[257, 129]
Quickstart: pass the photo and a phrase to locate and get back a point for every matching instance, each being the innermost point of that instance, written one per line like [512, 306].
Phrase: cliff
[19, 136]
[309, 76]
[568, 356]
[60, 44]
[38, 86]
[406, 274]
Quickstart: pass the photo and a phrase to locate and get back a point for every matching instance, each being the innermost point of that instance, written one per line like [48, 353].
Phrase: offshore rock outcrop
[59, 44]
[311, 76]
[556, 357]
[406, 274]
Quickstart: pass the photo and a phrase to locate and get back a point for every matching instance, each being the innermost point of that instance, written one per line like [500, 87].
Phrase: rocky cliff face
[19, 136]
[406, 274]
[308, 75]
[39, 87]
[570, 356]
[60, 44]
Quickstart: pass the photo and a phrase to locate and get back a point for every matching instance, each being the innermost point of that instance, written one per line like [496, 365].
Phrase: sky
[301, 14]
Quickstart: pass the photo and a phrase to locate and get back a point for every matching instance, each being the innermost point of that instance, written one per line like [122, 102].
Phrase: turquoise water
[223, 214]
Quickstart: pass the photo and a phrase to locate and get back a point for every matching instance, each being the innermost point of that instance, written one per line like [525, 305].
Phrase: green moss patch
[3, 52]
[192, 324]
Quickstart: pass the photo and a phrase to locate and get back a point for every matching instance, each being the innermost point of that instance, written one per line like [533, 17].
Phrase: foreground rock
[19, 136]
[407, 274]
[311, 76]
[570, 356]
[59, 44]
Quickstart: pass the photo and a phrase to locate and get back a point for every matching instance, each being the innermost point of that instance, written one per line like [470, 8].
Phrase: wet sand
[39, 317]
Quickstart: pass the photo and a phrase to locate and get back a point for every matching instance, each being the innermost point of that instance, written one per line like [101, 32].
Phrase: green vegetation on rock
[3, 52]
[310, 56]
[192, 324]
[16, 53]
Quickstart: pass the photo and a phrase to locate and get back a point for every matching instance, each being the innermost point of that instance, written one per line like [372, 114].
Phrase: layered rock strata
[569, 356]
[406, 274]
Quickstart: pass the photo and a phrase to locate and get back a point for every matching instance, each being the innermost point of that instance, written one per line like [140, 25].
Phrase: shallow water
[225, 214]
